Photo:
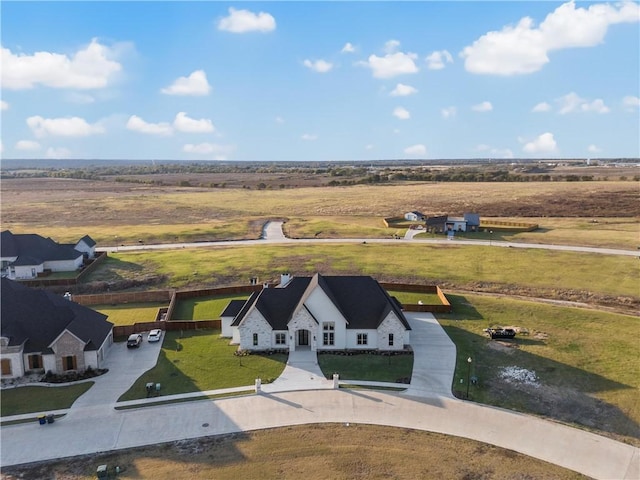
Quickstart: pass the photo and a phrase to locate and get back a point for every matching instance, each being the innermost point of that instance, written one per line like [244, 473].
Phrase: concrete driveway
[434, 357]
[125, 367]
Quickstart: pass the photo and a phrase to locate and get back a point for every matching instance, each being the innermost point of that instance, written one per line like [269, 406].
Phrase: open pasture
[114, 213]
[442, 264]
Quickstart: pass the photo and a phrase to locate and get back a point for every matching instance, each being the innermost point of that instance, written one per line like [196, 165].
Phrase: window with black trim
[328, 333]
[255, 339]
[281, 338]
[363, 338]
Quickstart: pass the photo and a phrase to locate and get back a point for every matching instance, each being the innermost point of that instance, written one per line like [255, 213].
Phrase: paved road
[426, 405]
[272, 233]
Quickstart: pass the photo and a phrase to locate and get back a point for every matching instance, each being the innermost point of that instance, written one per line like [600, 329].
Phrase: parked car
[155, 335]
[134, 340]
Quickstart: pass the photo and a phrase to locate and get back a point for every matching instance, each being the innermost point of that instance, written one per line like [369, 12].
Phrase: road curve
[272, 235]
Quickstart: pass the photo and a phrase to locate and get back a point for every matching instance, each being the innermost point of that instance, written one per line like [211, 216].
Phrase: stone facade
[254, 323]
[67, 345]
[302, 320]
[392, 325]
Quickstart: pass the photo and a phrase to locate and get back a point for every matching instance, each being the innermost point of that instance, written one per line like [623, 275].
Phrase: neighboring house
[456, 224]
[321, 313]
[414, 216]
[41, 331]
[436, 224]
[473, 221]
[24, 256]
[87, 246]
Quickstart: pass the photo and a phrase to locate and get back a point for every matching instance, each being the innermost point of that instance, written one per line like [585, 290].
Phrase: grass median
[16, 401]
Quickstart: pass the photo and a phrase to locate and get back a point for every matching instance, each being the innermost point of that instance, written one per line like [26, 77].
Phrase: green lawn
[20, 400]
[413, 298]
[130, 313]
[203, 308]
[532, 268]
[200, 360]
[586, 361]
[378, 368]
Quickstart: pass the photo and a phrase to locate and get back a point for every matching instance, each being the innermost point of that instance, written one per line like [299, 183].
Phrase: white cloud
[90, 68]
[495, 152]
[418, 149]
[194, 84]
[524, 48]
[182, 123]
[219, 152]
[483, 148]
[279, 120]
[437, 59]
[137, 124]
[368, 146]
[449, 112]
[394, 63]
[403, 90]
[401, 113]
[391, 46]
[28, 145]
[243, 21]
[594, 149]
[4, 105]
[573, 103]
[482, 107]
[630, 102]
[59, 152]
[309, 137]
[348, 48]
[63, 127]
[541, 107]
[544, 143]
[319, 66]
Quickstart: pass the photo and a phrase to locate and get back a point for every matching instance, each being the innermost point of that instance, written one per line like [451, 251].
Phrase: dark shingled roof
[233, 308]
[32, 249]
[36, 318]
[88, 240]
[361, 300]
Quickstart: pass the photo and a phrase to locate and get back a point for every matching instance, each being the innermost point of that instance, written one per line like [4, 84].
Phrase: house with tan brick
[42, 331]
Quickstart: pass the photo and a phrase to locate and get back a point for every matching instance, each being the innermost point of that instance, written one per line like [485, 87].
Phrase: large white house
[318, 313]
[42, 331]
[24, 256]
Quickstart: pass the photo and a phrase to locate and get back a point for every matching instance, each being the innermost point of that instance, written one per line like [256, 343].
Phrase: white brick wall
[254, 322]
[392, 324]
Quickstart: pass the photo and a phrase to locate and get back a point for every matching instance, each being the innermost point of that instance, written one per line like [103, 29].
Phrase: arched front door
[302, 338]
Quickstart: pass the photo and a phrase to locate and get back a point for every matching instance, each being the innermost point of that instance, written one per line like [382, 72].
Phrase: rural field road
[272, 233]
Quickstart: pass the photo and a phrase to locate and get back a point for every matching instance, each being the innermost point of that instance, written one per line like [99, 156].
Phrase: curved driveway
[426, 405]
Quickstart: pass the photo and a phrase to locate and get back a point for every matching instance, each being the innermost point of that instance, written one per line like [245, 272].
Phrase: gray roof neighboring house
[360, 299]
[88, 240]
[233, 308]
[35, 318]
[473, 219]
[33, 249]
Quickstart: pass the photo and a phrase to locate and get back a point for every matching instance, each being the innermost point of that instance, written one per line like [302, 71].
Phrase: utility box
[101, 472]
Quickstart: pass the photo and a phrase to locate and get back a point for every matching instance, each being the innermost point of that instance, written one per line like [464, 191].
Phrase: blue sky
[320, 81]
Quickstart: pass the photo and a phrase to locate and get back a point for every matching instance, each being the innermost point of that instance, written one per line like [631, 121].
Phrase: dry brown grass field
[114, 212]
[312, 452]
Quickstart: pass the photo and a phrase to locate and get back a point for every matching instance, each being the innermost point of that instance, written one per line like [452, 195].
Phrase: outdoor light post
[468, 374]
[490, 236]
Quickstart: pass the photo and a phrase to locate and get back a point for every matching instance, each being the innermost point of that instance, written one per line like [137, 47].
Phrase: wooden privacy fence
[124, 297]
[126, 330]
[445, 307]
